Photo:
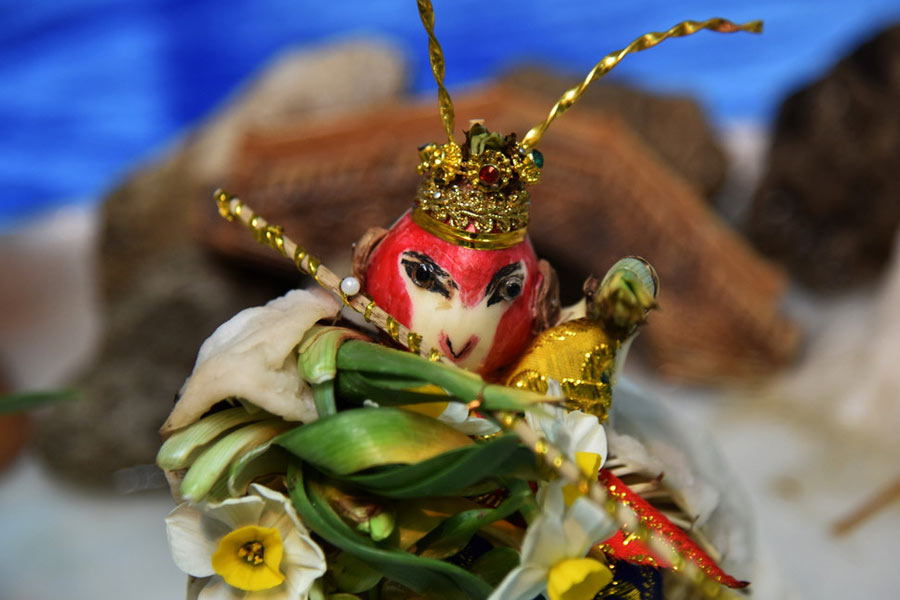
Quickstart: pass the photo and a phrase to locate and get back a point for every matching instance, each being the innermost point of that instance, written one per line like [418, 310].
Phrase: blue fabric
[90, 87]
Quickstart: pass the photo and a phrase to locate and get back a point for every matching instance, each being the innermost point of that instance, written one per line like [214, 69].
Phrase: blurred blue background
[90, 87]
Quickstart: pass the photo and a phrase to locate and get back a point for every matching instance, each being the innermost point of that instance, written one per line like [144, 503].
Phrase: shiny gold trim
[367, 315]
[393, 328]
[413, 342]
[467, 239]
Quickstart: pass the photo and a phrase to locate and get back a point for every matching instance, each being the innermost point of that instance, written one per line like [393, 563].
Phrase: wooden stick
[868, 509]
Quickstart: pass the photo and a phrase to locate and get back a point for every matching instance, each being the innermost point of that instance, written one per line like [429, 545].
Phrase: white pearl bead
[350, 286]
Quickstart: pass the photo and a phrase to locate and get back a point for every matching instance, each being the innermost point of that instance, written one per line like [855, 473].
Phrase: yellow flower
[577, 579]
[248, 558]
[248, 548]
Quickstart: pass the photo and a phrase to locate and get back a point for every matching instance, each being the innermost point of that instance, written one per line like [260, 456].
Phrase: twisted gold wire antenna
[436, 57]
[648, 40]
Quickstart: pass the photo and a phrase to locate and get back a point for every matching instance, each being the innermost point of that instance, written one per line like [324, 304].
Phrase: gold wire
[367, 315]
[436, 57]
[393, 328]
[413, 342]
[275, 238]
[648, 40]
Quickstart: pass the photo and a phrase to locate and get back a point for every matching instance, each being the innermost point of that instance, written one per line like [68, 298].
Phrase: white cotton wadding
[253, 357]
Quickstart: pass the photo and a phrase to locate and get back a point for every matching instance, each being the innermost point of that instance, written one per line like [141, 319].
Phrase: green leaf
[351, 574]
[454, 533]
[356, 355]
[213, 462]
[451, 472]
[386, 390]
[323, 397]
[495, 564]
[259, 462]
[434, 578]
[318, 352]
[182, 447]
[353, 440]
[22, 401]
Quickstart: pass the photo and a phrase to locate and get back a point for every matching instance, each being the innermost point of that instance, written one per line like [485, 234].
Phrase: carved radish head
[476, 306]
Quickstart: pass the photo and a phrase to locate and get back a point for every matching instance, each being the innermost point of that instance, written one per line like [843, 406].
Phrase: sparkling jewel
[538, 158]
[350, 286]
[489, 174]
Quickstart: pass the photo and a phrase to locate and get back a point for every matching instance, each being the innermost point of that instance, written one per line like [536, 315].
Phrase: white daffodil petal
[280, 592]
[299, 580]
[301, 551]
[217, 589]
[522, 583]
[588, 435]
[455, 413]
[586, 524]
[545, 542]
[551, 499]
[194, 586]
[189, 544]
[237, 512]
[279, 511]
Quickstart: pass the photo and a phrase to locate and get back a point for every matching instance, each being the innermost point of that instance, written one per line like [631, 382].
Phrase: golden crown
[474, 195]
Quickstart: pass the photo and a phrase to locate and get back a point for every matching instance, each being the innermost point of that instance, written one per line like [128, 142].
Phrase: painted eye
[422, 275]
[426, 274]
[511, 288]
[507, 285]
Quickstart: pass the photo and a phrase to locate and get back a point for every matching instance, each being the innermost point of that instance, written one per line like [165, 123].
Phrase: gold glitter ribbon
[436, 57]
[648, 40]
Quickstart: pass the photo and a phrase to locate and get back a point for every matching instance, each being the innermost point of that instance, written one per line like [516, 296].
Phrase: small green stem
[323, 397]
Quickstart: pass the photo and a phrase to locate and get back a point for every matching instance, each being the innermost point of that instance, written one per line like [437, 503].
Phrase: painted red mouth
[457, 355]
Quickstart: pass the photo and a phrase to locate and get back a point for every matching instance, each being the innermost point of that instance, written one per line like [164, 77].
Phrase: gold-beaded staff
[231, 208]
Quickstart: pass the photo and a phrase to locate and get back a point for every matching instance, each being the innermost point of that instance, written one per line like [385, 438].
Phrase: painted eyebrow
[500, 274]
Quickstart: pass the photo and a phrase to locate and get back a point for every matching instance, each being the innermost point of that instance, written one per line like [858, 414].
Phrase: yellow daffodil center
[577, 579]
[589, 463]
[248, 558]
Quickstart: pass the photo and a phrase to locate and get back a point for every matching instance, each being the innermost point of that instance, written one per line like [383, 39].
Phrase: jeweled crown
[475, 195]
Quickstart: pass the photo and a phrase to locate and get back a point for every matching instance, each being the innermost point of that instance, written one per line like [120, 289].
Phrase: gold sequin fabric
[578, 355]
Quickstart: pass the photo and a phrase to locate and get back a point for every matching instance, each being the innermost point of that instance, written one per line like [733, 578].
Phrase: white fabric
[252, 356]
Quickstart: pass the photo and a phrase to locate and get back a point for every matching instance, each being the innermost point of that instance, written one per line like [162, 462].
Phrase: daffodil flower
[247, 548]
[553, 559]
[578, 435]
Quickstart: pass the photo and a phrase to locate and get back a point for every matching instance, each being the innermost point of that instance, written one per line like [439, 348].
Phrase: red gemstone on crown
[489, 174]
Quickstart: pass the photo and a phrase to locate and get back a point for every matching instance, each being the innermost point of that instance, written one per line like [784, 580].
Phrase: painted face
[473, 305]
